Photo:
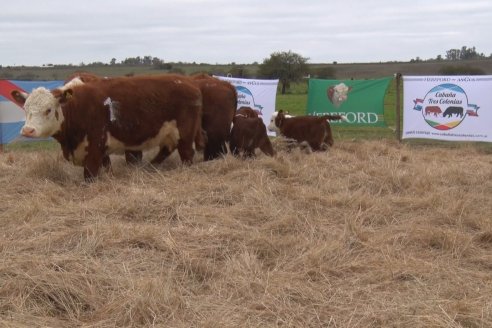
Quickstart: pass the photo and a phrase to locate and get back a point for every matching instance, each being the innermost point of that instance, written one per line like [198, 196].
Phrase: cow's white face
[44, 115]
[271, 126]
[340, 94]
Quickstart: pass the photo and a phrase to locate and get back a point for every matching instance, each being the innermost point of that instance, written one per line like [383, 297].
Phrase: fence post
[397, 108]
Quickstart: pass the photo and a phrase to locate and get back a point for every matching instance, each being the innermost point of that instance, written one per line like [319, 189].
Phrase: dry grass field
[369, 234]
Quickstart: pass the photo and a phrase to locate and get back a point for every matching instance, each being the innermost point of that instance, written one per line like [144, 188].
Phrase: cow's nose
[27, 131]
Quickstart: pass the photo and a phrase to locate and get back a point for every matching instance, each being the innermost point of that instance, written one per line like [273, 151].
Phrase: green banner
[361, 101]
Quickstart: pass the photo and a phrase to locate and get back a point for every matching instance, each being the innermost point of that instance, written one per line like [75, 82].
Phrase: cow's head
[44, 115]
[271, 126]
[337, 94]
[274, 127]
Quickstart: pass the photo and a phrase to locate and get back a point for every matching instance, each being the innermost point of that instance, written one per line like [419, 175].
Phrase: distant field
[342, 71]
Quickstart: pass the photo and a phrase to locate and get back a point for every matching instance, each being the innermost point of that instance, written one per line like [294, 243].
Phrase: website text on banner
[12, 115]
[257, 94]
[452, 108]
[360, 101]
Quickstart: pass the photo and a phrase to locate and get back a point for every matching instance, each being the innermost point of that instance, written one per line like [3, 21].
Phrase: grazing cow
[248, 133]
[95, 119]
[453, 110]
[315, 130]
[436, 110]
[272, 127]
[337, 94]
[219, 107]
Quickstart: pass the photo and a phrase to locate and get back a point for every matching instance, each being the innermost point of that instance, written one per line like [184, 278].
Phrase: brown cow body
[315, 130]
[248, 133]
[219, 99]
[134, 113]
[132, 157]
[219, 107]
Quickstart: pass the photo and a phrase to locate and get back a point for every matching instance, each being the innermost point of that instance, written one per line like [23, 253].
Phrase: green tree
[286, 66]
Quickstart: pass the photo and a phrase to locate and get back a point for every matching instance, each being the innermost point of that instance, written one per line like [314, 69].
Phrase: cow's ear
[65, 96]
[19, 97]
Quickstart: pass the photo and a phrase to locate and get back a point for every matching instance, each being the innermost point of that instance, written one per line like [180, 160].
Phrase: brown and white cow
[219, 107]
[95, 119]
[248, 133]
[315, 130]
[132, 157]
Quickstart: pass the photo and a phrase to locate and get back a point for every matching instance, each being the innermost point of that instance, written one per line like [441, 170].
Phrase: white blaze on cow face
[43, 114]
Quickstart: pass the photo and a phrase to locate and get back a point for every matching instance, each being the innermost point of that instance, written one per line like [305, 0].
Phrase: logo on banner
[337, 94]
[445, 106]
[246, 98]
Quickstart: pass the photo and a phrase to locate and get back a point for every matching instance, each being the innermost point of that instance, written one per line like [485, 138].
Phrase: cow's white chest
[168, 136]
[79, 153]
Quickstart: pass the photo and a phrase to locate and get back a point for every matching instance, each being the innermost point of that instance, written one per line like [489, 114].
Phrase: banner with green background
[361, 101]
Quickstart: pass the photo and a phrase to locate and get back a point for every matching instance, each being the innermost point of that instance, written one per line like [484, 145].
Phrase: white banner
[453, 108]
[257, 94]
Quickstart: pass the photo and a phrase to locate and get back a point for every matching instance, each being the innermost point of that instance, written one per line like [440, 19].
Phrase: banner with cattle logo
[453, 108]
[12, 115]
[360, 101]
[257, 94]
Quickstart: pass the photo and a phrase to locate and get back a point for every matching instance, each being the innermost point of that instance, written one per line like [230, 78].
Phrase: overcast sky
[36, 32]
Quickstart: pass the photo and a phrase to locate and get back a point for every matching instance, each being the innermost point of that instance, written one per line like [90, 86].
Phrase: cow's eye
[47, 112]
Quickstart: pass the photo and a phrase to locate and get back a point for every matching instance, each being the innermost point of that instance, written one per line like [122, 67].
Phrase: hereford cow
[248, 133]
[219, 107]
[131, 157]
[315, 130]
[95, 119]
[436, 110]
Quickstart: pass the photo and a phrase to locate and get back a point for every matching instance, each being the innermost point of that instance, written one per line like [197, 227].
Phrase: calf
[315, 130]
[95, 119]
[248, 133]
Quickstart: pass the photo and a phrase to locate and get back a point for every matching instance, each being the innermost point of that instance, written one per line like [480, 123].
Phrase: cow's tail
[335, 117]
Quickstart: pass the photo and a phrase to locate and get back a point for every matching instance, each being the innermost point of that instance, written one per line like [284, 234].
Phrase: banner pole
[397, 108]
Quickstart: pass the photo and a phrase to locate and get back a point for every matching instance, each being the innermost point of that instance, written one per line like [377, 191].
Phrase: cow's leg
[186, 151]
[106, 163]
[161, 156]
[133, 157]
[213, 149]
[95, 159]
[234, 147]
[249, 153]
[266, 146]
[93, 163]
